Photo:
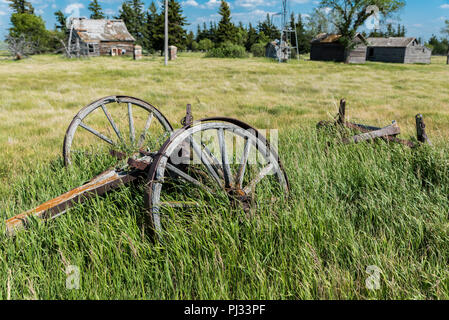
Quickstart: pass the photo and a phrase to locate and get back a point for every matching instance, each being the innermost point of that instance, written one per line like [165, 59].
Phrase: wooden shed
[397, 50]
[101, 37]
[327, 47]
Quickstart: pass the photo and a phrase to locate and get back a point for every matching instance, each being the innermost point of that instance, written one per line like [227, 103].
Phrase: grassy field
[351, 206]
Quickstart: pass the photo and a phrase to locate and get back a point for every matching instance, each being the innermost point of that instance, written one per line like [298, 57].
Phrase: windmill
[287, 35]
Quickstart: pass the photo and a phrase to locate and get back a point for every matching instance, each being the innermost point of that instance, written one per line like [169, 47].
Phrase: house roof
[90, 30]
[391, 42]
[332, 38]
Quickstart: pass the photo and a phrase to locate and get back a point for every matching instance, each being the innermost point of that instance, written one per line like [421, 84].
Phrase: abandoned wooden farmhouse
[327, 47]
[397, 50]
[89, 37]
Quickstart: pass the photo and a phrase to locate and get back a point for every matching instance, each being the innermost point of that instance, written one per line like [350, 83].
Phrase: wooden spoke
[215, 163]
[224, 158]
[205, 160]
[114, 108]
[243, 163]
[227, 179]
[98, 134]
[188, 178]
[111, 121]
[144, 133]
[132, 131]
[262, 174]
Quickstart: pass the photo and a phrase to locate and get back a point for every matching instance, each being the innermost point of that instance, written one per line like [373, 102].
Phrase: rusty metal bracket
[138, 164]
[187, 121]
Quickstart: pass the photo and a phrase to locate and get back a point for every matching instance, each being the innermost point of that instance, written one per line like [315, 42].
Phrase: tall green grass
[350, 207]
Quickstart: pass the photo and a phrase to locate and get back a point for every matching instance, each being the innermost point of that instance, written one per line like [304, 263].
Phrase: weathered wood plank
[387, 131]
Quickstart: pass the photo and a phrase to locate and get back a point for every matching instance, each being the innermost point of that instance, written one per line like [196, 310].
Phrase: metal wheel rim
[158, 167]
[84, 113]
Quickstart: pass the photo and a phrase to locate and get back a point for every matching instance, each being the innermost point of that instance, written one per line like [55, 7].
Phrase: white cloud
[74, 9]
[211, 4]
[444, 6]
[254, 3]
[191, 3]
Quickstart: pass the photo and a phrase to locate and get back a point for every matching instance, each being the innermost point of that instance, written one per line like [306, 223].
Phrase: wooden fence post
[421, 130]
[342, 112]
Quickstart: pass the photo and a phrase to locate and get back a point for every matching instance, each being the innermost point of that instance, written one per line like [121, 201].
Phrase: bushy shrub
[32, 28]
[228, 50]
[205, 45]
[258, 49]
[195, 46]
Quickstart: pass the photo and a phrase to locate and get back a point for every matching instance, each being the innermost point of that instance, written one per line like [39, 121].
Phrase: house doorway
[117, 52]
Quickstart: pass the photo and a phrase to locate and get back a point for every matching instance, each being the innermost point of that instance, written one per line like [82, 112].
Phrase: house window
[91, 48]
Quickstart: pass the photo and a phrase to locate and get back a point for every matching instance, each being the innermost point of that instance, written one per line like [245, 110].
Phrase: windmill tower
[287, 35]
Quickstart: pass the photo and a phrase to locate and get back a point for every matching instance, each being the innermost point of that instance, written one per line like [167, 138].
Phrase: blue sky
[422, 18]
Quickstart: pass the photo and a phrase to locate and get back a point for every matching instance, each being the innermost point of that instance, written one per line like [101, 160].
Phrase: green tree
[132, 13]
[258, 49]
[241, 35]
[190, 40]
[177, 35]
[268, 28]
[390, 31]
[319, 22]
[21, 6]
[212, 32]
[32, 28]
[96, 12]
[61, 21]
[150, 28]
[195, 46]
[262, 38]
[350, 15]
[199, 33]
[251, 38]
[226, 29]
[445, 31]
[205, 45]
[438, 46]
[304, 37]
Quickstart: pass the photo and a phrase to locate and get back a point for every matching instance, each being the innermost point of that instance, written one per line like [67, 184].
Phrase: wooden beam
[387, 131]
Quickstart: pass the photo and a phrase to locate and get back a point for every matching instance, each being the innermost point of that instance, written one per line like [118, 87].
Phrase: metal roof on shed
[91, 30]
[332, 38]
[390, 42]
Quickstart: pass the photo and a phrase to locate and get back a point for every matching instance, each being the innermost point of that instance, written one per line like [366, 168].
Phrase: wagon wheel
[115, 125]
[212, 160]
